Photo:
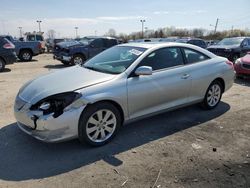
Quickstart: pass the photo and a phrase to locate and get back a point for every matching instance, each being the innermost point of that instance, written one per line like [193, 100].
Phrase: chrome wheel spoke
[92, 129]
[93, 121]
[107, 128]
[110, 122]
[103, 135]
[99, 115]
[107, 115]
[95, 136]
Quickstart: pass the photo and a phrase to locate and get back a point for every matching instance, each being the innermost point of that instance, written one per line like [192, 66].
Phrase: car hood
[223, 46]
[246, 59]
[69, 44]
[65, 80]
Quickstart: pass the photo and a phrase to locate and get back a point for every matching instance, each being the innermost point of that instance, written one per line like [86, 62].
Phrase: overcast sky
[121, 15]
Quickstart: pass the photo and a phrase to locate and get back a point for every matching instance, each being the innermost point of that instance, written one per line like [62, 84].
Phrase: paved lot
[184, 148]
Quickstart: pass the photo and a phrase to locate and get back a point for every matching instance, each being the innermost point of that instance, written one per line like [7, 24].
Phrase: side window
[248, 42]
[97, 43]
[193, 56]
[245, 43]
[109, 43]
[163, 58]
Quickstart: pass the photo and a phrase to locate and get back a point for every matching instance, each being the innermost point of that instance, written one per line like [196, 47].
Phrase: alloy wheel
[101, 125]
[214, 95]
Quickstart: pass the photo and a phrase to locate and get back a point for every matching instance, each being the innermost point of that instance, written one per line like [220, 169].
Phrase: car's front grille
[217, 51]
[19, 103]
[246, 66]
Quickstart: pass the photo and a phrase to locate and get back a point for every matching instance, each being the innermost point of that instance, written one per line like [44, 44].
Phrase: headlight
[238, 61]
[56, 103]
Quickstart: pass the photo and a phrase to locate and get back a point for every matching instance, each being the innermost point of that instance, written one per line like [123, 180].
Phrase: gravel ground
[188, 147]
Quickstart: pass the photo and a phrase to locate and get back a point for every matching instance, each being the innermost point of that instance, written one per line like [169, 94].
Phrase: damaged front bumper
[45, 127]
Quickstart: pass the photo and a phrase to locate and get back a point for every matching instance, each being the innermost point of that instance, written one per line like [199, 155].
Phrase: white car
[122, 84]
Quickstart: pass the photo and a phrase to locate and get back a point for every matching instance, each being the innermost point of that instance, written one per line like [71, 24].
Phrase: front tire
[2, 65]
[99, 123]
[78, 59]
[213, 95]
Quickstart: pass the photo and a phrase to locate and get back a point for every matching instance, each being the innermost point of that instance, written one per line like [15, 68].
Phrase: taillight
[9, 46]
[230, 64]
[39, 45]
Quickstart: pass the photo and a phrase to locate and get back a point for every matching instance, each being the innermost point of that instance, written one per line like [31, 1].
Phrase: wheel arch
[116, 104]
[28, 49]
[221, 80]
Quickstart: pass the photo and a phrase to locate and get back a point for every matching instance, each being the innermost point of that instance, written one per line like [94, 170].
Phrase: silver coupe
[122, 84]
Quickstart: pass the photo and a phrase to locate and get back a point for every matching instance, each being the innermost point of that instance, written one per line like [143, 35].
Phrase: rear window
[193, 56]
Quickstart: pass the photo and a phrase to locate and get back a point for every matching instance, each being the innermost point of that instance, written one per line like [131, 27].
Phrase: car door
[96, 47]
[201, 69]
[167, 87]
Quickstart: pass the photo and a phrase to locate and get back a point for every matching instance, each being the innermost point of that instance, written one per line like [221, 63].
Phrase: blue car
[78, 51]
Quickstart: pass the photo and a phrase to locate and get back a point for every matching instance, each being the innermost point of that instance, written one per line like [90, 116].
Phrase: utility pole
[232, 30]
[39, 25]
[20, 31]
[216, 25]
[142, 30]
[76, 31]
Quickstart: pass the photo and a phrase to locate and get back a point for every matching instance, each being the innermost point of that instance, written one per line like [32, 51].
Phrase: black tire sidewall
[90, 110]
[3, 65]
[205, 102]
[22, 53]
[77, 55]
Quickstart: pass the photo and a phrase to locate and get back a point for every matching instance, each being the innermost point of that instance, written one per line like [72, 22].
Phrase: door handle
[185, 76]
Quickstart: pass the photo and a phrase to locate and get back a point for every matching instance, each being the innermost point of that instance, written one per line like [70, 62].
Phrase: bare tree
[111, 33]
[51, 34]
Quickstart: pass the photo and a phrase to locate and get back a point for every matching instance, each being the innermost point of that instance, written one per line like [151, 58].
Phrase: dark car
[7, 53]
[195, 41]
[25, 50]
[51, 43]
[231, 48]
[77, 52]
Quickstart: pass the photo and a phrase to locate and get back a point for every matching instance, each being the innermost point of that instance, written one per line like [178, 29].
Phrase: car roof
[149, 45]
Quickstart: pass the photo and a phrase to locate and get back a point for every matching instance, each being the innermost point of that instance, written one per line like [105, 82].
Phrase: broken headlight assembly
[56, 103]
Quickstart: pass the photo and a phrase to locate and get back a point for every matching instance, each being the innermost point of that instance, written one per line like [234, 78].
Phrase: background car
[25, 50]
[51, 43]
[231, 48]
[7, 53]
[77, 52]
[242, 66]
[195, 41]
[124, 83]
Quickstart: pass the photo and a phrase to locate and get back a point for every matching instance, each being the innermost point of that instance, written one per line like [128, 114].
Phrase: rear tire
[99, 123]
[2, 65]
[25, 55]
[213, 95]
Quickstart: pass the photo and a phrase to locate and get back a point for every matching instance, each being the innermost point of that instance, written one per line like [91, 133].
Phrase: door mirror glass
[143, 70]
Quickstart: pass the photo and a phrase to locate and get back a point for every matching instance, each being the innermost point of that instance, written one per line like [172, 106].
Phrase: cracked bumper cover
[49, 129]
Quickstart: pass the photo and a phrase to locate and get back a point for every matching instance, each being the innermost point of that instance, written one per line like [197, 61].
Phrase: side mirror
[143, 70]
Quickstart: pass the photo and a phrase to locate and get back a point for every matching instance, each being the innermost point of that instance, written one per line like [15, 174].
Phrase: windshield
[231, 41]
[115, 60]
[85, 41]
